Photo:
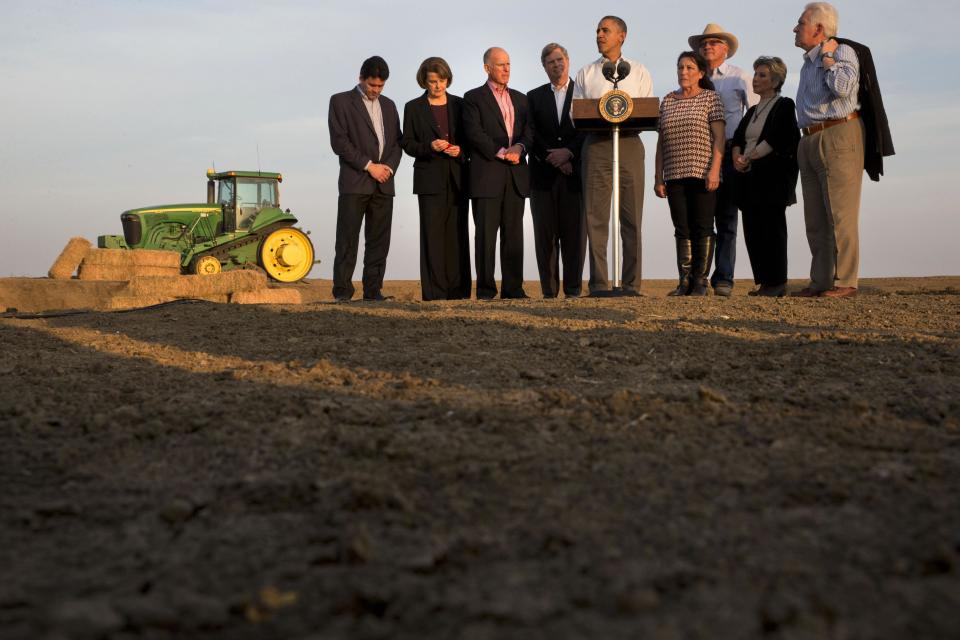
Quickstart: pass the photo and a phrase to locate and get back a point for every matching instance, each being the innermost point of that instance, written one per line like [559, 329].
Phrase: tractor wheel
[205, 266]
[287, 254]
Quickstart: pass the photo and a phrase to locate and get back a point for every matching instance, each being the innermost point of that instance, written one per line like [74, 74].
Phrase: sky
[109, 105]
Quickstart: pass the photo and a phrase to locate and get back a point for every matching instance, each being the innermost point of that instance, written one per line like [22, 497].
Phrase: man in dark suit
[365, 134]
[498, 130]
[558, 222]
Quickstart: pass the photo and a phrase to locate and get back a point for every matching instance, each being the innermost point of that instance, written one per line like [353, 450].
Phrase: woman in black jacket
[431, 134]
[765, 154]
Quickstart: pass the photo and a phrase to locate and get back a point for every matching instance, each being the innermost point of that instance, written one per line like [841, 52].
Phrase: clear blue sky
[110, 105]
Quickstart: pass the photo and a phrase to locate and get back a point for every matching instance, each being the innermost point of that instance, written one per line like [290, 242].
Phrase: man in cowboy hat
[735, 87]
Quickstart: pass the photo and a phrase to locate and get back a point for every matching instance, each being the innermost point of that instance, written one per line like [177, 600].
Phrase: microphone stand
[615, 205]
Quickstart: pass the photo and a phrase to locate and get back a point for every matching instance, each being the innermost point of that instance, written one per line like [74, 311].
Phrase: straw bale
[105, 272]
[69, 259]
[195, 286]
[135, 302]
[133, 258]
[267, 296]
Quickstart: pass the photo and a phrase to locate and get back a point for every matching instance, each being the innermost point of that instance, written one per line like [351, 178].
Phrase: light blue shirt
[735, 88]
[828, 94]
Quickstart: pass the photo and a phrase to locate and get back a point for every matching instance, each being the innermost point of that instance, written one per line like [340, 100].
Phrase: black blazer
[877, 143]
[548, 133]
[772, 180]
[432, 171]
[353, 139]
[486, 134]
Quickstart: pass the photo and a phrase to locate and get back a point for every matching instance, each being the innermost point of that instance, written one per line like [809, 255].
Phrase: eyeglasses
[711, 43]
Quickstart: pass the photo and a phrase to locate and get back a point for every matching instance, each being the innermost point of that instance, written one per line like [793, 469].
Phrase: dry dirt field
[617, 468]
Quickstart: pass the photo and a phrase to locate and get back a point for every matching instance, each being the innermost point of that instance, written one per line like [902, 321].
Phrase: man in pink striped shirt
[498, 130]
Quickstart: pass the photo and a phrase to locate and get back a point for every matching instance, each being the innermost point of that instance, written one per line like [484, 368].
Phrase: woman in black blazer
[431, 134]
[765, 154]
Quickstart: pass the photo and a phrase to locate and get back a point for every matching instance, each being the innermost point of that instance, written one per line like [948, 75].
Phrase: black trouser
[463, 240]
[443, 242]
[375, 212]
[691, 208]
[765, 234]
[559, 228]
[503, 213]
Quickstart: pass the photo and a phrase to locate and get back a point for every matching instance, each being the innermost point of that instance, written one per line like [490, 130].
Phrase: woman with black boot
[689, 156]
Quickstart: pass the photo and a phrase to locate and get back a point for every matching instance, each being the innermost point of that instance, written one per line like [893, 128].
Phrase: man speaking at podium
[598, 163]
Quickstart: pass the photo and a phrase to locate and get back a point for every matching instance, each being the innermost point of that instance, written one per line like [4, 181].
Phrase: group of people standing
[727, 142]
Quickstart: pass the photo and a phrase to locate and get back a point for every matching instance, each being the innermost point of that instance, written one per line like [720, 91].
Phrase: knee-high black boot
[702, 260]
[684, 265]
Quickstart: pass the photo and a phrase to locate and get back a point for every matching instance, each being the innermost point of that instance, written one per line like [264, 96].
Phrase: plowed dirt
[618, 468]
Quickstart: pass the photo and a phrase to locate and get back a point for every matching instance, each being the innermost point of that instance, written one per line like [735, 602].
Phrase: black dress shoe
[376, 297]
[515, 296]
[485, 298]
[343, 298]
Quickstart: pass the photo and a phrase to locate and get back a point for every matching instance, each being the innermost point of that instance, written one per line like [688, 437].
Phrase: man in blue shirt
[830, 154]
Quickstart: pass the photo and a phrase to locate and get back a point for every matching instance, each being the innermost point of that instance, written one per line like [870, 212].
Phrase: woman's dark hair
[374, 67]
[435, 65]
[701, 62]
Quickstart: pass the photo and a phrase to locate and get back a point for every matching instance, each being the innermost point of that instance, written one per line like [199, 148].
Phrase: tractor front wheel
[205, 266]
[286, 255]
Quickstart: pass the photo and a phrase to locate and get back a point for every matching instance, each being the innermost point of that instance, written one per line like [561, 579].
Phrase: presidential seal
[616, 106]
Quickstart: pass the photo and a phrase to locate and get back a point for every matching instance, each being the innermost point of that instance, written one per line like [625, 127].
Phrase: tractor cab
[243, 195]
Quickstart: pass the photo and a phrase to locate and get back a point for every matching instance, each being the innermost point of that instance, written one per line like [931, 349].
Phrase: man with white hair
[830, 154]
[735, 88]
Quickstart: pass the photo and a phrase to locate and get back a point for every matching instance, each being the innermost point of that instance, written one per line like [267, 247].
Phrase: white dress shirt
[376, 117]
[559, 96]
[590, 82]
[735, 87]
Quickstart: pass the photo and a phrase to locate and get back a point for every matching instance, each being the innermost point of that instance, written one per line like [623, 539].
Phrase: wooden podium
[645, 116]
[603, 116]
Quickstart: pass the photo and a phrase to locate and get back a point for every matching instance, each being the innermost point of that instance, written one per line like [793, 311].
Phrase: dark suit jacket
[486, 134]
[355, 142]
[877, 143]
[772, 180]
[548, 133]
[432, 171]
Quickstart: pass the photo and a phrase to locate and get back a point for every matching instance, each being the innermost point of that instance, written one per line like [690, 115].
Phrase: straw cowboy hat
[714, 30]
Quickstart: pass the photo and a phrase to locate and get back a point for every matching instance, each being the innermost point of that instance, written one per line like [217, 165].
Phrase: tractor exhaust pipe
[211, 191]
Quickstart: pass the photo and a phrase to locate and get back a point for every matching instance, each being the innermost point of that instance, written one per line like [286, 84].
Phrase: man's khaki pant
[597, 189]
[831, 172]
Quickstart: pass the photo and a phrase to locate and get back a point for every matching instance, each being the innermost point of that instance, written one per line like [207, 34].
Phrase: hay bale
[119, 303]
[104, 272]
[267, 296]
[133, 258]
[193, 286]
[69, 259]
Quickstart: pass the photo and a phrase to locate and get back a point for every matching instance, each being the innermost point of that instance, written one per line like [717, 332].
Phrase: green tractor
[240, 226]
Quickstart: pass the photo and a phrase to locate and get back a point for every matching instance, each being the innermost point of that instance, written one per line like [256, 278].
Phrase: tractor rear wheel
[286, 254]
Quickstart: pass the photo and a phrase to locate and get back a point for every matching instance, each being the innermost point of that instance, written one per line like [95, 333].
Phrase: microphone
[623, 69]
[608, 70]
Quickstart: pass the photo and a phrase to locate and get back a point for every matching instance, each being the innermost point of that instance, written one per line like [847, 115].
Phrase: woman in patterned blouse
[689, 155]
